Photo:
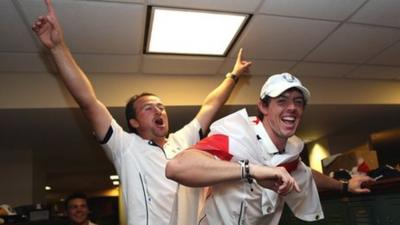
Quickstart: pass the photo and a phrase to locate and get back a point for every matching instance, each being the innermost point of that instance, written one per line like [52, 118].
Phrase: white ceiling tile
[96, 27]
[306, 69]
[260, 67]
[108, 63]
[390, 56]
[354, 43]
[375, 72]
[22, 62]
[272, 37]
[129, 1]
[15, 35]
[247, 6]
[320, 9]
[158, 64]
[379, 12]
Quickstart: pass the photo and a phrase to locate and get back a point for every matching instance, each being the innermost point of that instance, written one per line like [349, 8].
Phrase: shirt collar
[263, 137]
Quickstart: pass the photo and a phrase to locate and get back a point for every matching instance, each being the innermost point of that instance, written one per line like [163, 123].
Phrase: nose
[158, 110]
[291, 105]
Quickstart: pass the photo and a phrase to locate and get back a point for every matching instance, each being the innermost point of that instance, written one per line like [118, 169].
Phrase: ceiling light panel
[194, 32]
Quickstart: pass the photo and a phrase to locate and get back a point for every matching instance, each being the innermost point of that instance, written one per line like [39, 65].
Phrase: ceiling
[346, 51]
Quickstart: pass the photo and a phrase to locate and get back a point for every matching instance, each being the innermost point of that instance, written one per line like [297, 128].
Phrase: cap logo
[289, 77]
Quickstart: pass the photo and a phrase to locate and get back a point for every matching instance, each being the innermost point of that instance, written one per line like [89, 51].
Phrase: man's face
[283, 115]
[78, 211]
[151, 117]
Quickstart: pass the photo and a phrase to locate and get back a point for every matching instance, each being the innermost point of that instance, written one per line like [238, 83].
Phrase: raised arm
[50, 33]
[197, 168]
[355, 184]
[217, 98]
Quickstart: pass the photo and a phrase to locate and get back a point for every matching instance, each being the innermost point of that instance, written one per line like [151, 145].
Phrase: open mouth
[289, 120]
[159, 121]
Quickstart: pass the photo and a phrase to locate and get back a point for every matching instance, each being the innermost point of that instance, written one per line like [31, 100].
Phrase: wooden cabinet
[382, 207]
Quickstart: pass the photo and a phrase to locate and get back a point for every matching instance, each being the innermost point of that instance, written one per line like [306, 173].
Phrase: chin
[162, 133]
[288, 134]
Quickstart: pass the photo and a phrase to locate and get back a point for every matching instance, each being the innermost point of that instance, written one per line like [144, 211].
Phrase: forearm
[214, 101]
[198, 169]
[324, 182]
[81, 89]
[73, 77]
[217, 98]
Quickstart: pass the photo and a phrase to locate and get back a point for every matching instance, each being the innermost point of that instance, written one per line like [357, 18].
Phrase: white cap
[279, 83]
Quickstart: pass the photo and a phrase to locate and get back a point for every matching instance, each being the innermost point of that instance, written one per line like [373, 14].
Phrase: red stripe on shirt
[217, 145]
[290, 166]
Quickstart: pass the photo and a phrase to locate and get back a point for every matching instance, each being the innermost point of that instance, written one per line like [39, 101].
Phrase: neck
[86, 222]
[279, 142]
[159, 141]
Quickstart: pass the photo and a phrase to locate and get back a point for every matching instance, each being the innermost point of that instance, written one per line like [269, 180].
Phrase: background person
[77, 209]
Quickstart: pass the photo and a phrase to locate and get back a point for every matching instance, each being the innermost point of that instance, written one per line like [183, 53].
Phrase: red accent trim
[217, 145]
[290, 166]
[363, 167]
[256, 121]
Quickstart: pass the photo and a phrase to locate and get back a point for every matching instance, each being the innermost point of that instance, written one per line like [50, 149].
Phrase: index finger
[50, 8]
[366, 178]
[239, 56]
[296, 187]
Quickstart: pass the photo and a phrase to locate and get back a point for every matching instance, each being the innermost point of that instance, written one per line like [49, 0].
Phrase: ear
[134, 123]
[262, 107]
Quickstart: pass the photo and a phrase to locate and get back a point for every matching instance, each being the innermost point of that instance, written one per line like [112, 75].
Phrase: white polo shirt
[140, 164]
[238, 137]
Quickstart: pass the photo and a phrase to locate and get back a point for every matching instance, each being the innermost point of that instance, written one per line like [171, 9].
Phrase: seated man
[77, 209]
[253, 165]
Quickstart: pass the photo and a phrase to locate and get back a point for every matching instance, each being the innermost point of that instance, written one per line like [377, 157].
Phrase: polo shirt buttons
[267, 209]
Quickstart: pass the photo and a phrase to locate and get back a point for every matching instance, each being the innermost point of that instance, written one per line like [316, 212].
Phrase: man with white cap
[252, 164]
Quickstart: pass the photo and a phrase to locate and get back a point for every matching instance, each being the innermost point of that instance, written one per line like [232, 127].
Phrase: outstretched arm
[355, 184]
[197, 168]
[50, 33]
[217, 98]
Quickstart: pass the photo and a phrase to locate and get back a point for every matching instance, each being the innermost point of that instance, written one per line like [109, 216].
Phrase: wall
[21, 182]
[45, 91]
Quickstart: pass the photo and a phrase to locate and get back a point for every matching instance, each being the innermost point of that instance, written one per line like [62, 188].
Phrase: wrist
[233, 76]
[345, 187]
[245, 171]
[60, 47]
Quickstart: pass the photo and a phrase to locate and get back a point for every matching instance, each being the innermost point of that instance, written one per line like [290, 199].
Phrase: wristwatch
[345, 187]
[233, 76]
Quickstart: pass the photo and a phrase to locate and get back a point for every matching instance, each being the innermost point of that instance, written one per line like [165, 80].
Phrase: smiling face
[283, 115]
[77, 210]
[151, 119]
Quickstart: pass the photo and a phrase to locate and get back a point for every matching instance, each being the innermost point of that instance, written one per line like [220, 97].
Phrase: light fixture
[47, 188]
[115, 183]
[192, 32]
[114, 177]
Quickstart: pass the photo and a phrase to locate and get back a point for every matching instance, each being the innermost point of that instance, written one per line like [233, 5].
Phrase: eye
[299, 101]
[282, 101]
[161, 107]
[147, 108]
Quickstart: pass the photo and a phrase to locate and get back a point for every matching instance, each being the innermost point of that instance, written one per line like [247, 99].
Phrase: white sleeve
[117, 141]
[183, 138]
